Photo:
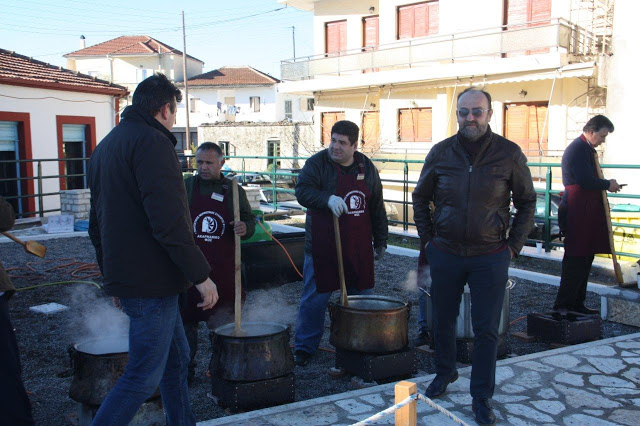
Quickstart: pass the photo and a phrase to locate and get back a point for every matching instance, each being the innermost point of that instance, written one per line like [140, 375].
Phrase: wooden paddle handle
[237, 257]
[17, 240]
[343, 286]
[607, 214]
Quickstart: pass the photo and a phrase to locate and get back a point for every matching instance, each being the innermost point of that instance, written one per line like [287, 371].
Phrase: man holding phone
[581, 214]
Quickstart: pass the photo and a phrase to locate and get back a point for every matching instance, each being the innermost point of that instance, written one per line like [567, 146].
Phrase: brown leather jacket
[471, 215]
[7, 218]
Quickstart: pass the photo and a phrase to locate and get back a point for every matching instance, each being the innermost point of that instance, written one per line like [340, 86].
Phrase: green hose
[59, 283]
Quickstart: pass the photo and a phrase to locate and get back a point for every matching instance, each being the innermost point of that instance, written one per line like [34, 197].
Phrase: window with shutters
[288, 110]
[254, 103]
[328, 120]
[524, 123]
[335, 37]
[224, 146]
[418, 20]
[273, 150]
[526, 13]
[370, 130]
[311, 102]
[76, 142]
[414, 125]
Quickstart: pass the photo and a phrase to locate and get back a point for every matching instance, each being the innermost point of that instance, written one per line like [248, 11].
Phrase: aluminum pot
[261, 353]
[97, 365]
[464, 327]
[373, 324]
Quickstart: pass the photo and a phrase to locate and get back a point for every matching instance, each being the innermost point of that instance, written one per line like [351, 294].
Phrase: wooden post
[238, 260]
[407, 415]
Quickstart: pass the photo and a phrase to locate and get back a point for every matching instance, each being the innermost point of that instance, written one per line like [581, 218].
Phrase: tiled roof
[233, 76]
[127, 46]
[19, 70]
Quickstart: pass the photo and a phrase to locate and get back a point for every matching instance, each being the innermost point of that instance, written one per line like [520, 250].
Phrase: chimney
[82, 42]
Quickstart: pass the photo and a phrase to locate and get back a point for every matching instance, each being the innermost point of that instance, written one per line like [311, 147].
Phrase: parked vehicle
[537, 232]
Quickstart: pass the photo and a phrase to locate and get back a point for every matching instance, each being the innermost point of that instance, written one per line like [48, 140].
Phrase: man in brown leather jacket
[470, 178]
[15, 408]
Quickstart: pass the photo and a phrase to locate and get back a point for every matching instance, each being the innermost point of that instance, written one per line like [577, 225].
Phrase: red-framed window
[74, 149]
[24, 170]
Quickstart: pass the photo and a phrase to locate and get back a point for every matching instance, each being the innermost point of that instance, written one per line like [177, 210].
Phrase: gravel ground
[44, 339]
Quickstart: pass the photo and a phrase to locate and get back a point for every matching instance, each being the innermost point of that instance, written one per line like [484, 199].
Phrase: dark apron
[586, 224]
[355, 235]
[214, 235]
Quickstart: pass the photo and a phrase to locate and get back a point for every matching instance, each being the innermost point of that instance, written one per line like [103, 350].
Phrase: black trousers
[487, 277]
[15, 408]
[573, 282]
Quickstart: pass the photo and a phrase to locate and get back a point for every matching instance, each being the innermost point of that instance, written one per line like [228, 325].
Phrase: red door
[527, 13]
[418, 20]
[336, 37]
[370, 38]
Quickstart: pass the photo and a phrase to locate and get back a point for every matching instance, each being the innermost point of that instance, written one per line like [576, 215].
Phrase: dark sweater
[207, 187]
[578, 166]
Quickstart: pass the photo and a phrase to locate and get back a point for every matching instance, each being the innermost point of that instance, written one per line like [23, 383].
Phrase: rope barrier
[408, 400]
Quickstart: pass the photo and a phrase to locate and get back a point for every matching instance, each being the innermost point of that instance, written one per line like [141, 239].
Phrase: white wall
[44, 139]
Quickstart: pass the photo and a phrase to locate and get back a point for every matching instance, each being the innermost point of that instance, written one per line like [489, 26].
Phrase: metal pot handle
[73, 356]
[510, 284]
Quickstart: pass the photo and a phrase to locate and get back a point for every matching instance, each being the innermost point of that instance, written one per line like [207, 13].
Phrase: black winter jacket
[318, 181]
[139, 220]
[471, 215]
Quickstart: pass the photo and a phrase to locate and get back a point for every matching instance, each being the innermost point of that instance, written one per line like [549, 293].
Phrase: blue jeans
[158, 355]
[312, 310]
[487, 277]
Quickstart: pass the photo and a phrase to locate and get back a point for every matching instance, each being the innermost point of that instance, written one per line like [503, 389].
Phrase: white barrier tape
[408, 400]
[381, 414]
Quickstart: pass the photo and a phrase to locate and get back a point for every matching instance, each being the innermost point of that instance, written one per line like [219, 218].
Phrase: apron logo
[208, 226]
[356, 203]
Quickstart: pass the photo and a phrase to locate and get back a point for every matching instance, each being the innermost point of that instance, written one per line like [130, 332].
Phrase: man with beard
[342, 182]
[470, 178]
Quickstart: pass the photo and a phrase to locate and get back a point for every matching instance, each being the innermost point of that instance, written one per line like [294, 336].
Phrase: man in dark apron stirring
[211, 206]
[581, 214]
[343, 182]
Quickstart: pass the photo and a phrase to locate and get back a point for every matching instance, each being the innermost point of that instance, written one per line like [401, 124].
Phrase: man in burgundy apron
[343, 182]
[211, 206]
[581, 214]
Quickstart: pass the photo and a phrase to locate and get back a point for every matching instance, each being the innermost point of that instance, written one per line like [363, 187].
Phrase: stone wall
[76, 202]
[251, 139]
[253, 195]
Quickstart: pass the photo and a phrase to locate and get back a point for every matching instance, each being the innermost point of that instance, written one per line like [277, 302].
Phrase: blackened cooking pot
[374, 324]
[262, 352]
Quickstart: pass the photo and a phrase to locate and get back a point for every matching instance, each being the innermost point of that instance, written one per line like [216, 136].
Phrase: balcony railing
[557, 35]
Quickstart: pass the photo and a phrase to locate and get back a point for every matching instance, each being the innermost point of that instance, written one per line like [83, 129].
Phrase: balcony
[557, 36]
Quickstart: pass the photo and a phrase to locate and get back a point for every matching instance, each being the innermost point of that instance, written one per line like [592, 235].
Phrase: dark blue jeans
[158, 355]
[487, 277]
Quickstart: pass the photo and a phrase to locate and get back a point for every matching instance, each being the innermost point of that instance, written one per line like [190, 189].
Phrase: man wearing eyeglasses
[470, 179]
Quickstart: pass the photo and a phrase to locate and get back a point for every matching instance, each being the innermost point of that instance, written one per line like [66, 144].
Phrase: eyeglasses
[476, 112]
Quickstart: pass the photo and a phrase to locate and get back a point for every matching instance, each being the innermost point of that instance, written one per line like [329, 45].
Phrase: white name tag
[360, 176]
[217, 197]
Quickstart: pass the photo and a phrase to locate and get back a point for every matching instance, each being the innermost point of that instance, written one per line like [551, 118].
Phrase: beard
[474, 131]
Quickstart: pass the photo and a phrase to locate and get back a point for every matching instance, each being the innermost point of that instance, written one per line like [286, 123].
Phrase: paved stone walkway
[596, 383]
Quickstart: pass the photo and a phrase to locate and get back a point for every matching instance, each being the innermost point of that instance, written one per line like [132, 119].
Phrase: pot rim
[217, 331]
[403, 306]
[97, 339]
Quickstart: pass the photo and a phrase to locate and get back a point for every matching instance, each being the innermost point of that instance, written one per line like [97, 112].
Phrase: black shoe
[301, 358]
[584, 310]
[483, 412]
[424, 338]
[439, 385]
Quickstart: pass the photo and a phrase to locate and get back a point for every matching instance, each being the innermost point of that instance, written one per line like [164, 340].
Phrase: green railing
[548, 219]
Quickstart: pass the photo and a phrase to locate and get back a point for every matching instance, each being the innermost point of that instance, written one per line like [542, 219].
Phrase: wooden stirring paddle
[30, 247]
[343, 286]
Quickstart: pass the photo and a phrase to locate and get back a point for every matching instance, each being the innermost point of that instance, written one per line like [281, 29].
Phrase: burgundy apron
[586, 223]
[355, 235]
[214, 235]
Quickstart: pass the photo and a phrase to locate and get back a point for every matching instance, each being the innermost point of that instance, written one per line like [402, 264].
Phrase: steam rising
[95, 317]
[269, 305]
[417, 279]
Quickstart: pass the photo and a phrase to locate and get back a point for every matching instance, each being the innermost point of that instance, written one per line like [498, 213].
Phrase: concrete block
[623, 311]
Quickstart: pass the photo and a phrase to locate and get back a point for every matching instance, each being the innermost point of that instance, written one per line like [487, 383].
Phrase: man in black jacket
[337, 181]
[470, 178]
[581, 214]
[15, 408]
[141, 230]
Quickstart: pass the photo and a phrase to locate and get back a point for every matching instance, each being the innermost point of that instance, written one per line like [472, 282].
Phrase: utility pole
[186, 86]
[293, 31]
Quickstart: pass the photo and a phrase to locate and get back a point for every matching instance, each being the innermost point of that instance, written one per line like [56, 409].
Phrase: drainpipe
[110, 68]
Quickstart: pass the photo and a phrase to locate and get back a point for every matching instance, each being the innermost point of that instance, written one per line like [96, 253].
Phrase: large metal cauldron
[97, 365]
[373, 324]
[261, 353]
[464, 327]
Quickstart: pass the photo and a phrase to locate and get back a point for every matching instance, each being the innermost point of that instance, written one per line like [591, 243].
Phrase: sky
[239, 32]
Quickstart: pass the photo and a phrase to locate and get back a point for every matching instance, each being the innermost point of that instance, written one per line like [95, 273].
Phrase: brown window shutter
[540, 11]
[517, 12]
[336, 36]
[370, 31]
[415, 125]
[424, 124]
[537, 114]
[405, 22]
[328, 120]
[516, 125]
[406, 125]
[421, 18]
[343, 36]
[434, 19]
[370, 132]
